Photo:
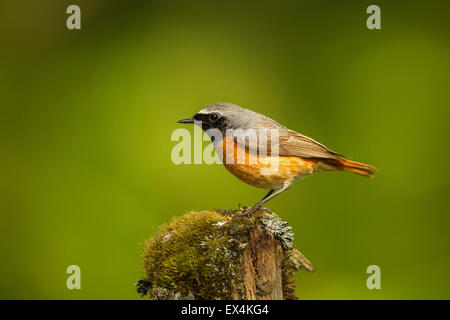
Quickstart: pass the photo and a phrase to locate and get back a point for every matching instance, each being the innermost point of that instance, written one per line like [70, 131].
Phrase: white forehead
[222, 108]
[209, 111]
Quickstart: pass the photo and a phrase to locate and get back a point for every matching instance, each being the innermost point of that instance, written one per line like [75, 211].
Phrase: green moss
[196, 256]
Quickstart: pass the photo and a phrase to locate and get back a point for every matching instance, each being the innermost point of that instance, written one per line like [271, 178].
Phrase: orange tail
[352, 166]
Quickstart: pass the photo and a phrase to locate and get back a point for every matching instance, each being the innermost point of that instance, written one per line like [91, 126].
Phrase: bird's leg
[268, 194]
[244, 209]
[286, 185]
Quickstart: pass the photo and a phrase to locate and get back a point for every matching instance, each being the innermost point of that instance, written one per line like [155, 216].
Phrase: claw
[243, 214]
[252, 210]
[246, 212]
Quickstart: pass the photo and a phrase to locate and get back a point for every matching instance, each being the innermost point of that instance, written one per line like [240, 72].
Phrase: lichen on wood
[217, 254]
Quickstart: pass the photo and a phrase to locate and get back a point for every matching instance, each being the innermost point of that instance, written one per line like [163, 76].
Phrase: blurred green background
[86, 119]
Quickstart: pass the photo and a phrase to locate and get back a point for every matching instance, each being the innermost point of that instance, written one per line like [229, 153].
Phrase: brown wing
[292, 143]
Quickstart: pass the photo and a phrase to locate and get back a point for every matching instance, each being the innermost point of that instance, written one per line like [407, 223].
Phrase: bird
[293, 155]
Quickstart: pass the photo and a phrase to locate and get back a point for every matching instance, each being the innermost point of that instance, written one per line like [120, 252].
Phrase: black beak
[188, 120]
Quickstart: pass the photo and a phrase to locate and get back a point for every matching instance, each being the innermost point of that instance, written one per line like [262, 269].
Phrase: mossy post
[218, 254]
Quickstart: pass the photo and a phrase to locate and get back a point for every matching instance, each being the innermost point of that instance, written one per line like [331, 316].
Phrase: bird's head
[221, 116]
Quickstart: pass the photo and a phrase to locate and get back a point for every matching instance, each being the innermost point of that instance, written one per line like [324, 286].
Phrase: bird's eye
[213, 117]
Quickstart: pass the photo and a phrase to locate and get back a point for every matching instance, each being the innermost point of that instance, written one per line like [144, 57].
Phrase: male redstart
[295, 155]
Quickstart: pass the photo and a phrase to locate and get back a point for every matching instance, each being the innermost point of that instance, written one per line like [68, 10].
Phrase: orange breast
[267, 172]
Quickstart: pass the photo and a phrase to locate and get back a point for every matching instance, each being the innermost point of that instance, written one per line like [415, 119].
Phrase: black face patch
[212, 122]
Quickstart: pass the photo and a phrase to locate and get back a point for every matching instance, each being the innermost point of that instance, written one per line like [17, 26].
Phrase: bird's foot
[243, 212]
[240, 209]
[247, 212]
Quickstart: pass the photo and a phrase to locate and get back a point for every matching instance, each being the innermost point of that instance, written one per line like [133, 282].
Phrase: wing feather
[290, 143]
[296, 144]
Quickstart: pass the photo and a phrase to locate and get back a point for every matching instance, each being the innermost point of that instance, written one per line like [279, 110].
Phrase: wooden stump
[262, 261]
[218, 255]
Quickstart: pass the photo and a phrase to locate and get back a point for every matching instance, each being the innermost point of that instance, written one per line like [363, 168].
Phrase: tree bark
[262, 262]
